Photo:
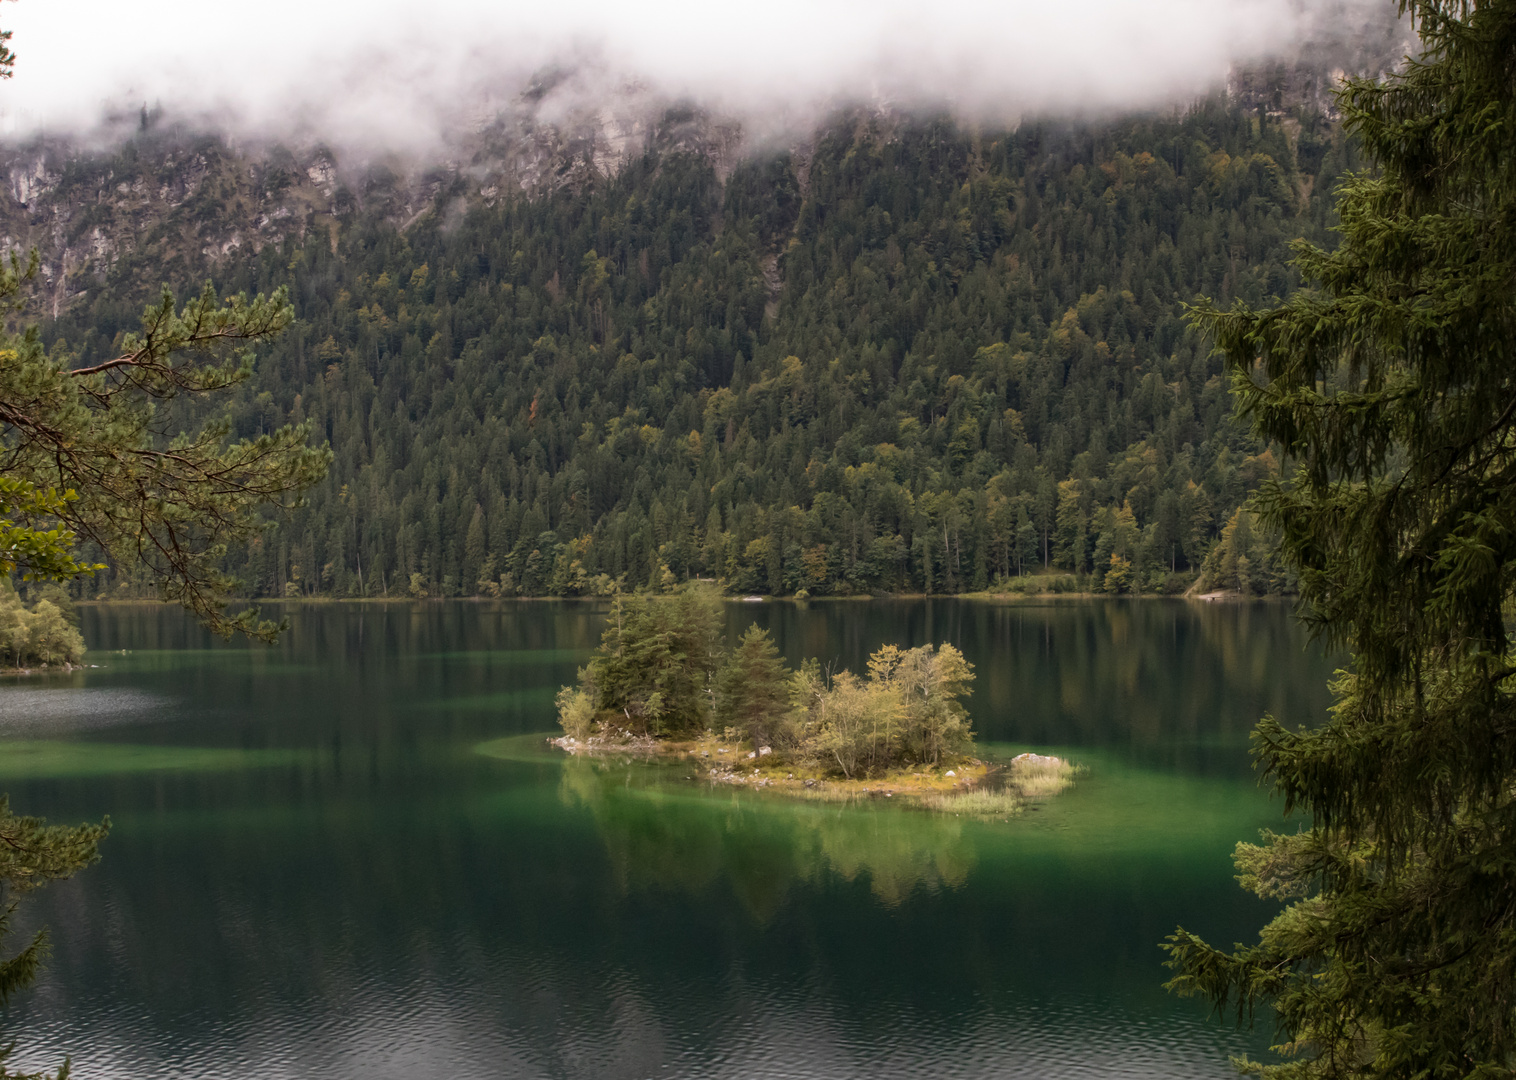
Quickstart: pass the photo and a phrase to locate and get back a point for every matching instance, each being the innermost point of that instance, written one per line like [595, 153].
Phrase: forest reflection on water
[762, 845]
[350, 853]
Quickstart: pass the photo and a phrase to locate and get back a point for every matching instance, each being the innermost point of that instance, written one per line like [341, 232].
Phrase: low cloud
[398, 76]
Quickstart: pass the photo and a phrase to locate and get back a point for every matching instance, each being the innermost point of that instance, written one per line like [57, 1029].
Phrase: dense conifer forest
[911, 357]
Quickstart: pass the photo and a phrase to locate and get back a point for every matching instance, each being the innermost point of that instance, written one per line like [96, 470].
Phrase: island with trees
[664, 684]
[40, 635]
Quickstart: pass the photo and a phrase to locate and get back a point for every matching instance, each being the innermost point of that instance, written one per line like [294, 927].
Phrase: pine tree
[474, 548]
[1070, 543]
[657, 660]
[752, 695]
[87, 456]
[1392, 384]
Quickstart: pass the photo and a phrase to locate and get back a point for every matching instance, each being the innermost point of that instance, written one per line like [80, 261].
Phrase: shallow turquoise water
[315, 871]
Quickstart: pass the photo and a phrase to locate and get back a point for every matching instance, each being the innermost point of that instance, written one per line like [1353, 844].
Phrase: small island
[663, 685]
[41, 636]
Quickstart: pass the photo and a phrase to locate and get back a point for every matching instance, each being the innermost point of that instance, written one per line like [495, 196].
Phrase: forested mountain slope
[910, 356]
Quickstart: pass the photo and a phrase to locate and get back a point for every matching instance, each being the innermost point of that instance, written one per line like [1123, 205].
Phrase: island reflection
[659, 835]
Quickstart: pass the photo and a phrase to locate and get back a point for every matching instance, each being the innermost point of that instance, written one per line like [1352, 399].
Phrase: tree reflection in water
[661, 835]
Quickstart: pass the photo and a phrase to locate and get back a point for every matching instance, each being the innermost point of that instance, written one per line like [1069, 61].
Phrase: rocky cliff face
[170, 202]
[181, 201]
[1342, 38]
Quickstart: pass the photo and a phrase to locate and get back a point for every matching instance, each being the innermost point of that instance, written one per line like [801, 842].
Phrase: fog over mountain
[401, 77]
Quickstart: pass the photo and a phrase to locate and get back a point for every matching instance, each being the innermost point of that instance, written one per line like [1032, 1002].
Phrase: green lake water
[353, 855]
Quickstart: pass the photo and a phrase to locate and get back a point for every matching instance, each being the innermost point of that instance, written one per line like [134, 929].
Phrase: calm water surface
[350, 855]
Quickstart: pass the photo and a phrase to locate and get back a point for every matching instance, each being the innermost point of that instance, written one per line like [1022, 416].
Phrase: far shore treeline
[663, 672]
[922, 359]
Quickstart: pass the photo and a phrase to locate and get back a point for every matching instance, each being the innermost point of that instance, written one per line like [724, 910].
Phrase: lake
[314, 870]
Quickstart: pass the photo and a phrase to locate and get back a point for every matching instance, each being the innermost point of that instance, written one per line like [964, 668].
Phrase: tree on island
[1392, 383]
[752, 689]
[662, 671]
[657, 661]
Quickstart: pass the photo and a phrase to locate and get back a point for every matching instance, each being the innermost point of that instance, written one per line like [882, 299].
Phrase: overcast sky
[385, 72]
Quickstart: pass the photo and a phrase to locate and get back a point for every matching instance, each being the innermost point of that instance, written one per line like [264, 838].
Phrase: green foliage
[929, 682]
[41, 636]
[662, 671]
[905, 712]
[1246, 559]
[751, 689]
[870, 374]
[576, 708]
[33, 853]
[851, 722]
[31, 540]
[655, 669]
[168, 504]
[1392, 383]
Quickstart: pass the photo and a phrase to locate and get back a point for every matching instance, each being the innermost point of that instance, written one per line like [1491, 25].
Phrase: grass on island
[1028, 778]
[978, 802]
[965, 786]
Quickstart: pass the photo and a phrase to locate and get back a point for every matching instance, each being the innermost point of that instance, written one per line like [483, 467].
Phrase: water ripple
[74, 709]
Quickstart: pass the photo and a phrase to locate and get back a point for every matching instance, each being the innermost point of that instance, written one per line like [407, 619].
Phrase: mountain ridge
[914, 356]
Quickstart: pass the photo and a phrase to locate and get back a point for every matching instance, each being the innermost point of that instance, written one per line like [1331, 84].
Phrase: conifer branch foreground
[101, 454]
[1391, 385]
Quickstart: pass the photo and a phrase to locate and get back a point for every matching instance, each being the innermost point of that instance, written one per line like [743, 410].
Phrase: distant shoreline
[979, 596]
